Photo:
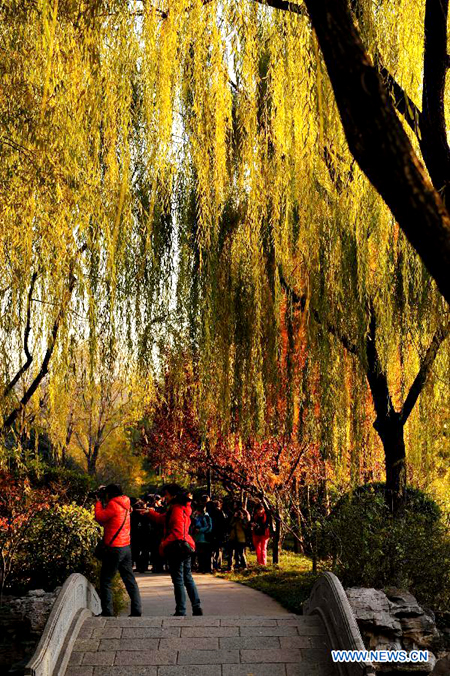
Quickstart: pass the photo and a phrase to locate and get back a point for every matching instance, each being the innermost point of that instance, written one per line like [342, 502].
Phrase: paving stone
[83, 645]
[107, 632]
[258, 617]
[79, 671]
[93, 622]
[85, 631]
[145, 657]
[288, 642]
[303, 621]
[154, 632]
[99, 659]
[126, 671]
[305, 626]
[319, 641]
[134, 621]
[254, 670]
[316, 655]
[249, 642]
[209, 632]
[327, 669]
[272, 655]
[191, 670]
[191, 622]
[76, 659]
[189, 644]
[269, 631]
[248, 622]
[116, 644]
[306, 669]
[208, 657]
[301, 670]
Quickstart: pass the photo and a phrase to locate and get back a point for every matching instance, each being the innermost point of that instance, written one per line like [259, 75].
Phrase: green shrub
[68, 484]
[61, 541]
[370, 547]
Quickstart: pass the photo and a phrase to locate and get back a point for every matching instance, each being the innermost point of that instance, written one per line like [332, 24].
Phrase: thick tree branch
[378, 141]
[376, 376]
[402, 102]
[12, 417]
[29, 356]
[424, 370]
[434, 144]
[300, 302]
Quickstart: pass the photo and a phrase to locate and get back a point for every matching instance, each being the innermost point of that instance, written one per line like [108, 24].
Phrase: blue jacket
[202, 526]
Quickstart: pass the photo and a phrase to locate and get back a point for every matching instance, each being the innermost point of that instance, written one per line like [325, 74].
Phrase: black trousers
[118, 559]
[204, 557]
[236, 549]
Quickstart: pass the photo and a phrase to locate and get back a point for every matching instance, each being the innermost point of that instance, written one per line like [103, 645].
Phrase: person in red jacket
[177, 546]
[113, 513]
[261, 533]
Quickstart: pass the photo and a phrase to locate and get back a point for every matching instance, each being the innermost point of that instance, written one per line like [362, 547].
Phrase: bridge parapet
[329, 600]
[76, 601]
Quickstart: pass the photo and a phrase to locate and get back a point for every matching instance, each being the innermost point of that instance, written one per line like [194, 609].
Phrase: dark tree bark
[433, 131]
[276, 540]
[92, 459]
[377, 139]
[26, 348]
[389, 423]
[30, 391]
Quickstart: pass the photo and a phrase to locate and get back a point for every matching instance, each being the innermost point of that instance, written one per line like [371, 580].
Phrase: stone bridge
[252, 636]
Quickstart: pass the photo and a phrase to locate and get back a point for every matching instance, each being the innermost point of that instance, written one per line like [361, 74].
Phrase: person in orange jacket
[113, 513]
[177, 546]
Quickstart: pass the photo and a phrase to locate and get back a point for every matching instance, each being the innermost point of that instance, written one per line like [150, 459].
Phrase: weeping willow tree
[81, 254]
[186, 159]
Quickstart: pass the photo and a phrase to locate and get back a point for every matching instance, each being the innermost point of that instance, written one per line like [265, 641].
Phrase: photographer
[178, 546]
[156, 535]
[238, 536]
[112, 511]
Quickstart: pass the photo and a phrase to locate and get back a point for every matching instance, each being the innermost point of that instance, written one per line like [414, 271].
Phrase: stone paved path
[253, 636]
[217, 596]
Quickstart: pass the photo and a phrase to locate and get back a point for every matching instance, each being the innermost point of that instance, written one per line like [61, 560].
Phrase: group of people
[167, 532]
[219, 532]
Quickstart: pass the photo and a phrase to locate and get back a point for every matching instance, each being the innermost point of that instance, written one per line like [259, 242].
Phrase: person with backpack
[261, 533]
[237, 538]
[202, 528]
[112, 511]
[178, 545]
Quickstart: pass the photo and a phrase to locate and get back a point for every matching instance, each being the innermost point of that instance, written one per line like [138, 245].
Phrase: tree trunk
[92, 463]
[276, 541]
[378, 141]
[391, 432]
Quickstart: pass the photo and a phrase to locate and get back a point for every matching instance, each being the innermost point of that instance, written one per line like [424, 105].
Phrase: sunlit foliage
[182, 159]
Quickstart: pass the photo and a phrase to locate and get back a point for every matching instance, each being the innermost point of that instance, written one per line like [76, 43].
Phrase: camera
[98, 494]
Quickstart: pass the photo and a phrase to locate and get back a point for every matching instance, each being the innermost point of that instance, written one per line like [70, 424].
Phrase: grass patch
[290, 582]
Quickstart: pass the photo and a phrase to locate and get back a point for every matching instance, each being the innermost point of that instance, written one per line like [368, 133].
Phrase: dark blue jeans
[180, 572]
[118, 559]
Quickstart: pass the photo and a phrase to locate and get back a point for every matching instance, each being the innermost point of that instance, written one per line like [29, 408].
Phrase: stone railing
[329, 600]
[76, 601]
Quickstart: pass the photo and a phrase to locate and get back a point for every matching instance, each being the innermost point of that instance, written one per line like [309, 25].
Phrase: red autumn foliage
[19, 503]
